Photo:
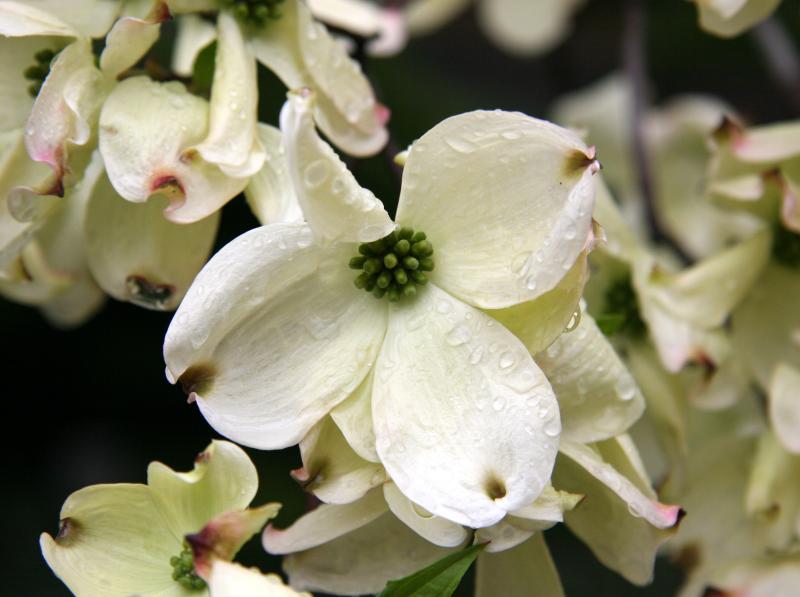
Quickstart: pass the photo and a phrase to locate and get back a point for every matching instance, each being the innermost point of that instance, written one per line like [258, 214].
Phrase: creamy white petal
[356, 16]
[136, 254]
[232, 580]
[192, 36]
[364, 560]
[505, 199]
[270, 192]
[324, 524]
[435, 529]
[354, 419]
[728, 19]
[621, 525]
[65, 111]
[706, 293]
[541, 321]
[775, 576]
[518, 570]
[336, 207]
[505, 535]
[784, 406]
[223, 480]
[89, 18]
[129, 40]
[16, 55]
[766, 325]
[466, 424]
[424, 16]
[148, 156]
[597, 396]
[112, 536]
[526, 27]
[331, 469]
[23, 20]
[273, 334]
[549, 507]
[232, 143]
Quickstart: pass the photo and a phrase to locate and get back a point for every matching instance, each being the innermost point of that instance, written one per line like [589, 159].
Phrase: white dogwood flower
[273, 335]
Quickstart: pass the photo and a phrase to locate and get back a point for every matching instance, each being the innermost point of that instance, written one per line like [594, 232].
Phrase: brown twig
[634, 57]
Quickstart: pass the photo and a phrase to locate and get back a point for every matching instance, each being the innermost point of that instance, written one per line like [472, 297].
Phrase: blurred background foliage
[92, 405]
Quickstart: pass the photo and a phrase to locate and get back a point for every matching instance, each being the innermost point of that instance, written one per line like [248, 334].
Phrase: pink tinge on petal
[169, 186]
[672, 514]
[382, 113]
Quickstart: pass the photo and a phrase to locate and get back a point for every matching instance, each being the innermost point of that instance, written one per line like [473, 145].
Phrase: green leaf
[440, 579]
[203, 74]
[610, 323]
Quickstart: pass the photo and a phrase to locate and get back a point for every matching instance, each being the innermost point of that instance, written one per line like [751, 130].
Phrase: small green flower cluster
[254, 12]
[395, 265]
[39, 71]
[183, 571]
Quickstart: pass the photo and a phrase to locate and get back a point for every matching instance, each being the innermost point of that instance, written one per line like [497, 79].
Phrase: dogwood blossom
[273, 335]
[164, 537]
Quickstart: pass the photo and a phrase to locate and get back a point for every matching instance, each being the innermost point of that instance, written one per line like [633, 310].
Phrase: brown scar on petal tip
[715, 592]
[495, 488]
[577, 161]
[679, 518]
[67, 529]
[148, 293]
[198, 379]
[167, 184]
[202, 457]
[159, 13]
[309, 477]
[728, 130]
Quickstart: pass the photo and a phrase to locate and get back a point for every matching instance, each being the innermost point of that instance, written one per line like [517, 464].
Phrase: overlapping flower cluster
[453, 376]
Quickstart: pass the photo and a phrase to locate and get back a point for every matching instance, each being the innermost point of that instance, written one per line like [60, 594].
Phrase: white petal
[232, 142]
[232, 580]
[130, 39]
[89, 18]
[334, 204]
[526, 27]
[355, 16]
[435, 529]
[65, 111]
[622, 526]
[541, 321]
[766, 325]
[17, 54]
[776, 576]
[466, 423]
[273, 334]
[270, 191]
[725, 24]
[223, 480]
[148, 156]
[364, 560]
[192, 36]
[597, 396]
[504, 535]
[139, 256]
[549, 507]
[20, 19]
[505, 199]
[331, 469]
[518, 570]
[784, 406]
[424, 16]
[304, 54]
[112, 536]
[354, 419]
[323, 524]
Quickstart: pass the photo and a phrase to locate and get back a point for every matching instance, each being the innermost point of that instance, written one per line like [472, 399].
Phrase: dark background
[92, 405]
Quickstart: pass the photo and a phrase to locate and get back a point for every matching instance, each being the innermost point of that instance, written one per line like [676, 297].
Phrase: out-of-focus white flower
[729, 18]
[273, 335]
[162, 538]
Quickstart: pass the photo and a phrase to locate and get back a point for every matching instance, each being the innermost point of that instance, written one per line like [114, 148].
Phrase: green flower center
[621, 314]
[37, 73]
[395, 265]
[254, 12]
[183, 571]
[786, 247]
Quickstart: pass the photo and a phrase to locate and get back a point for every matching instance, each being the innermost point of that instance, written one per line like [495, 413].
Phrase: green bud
[402, 247]
[422, 248]
[418, 236]
[401, 276]
[365, 249]
[378, 292]
[410, 262]
[361, 280]
[409, 290]
[394, 294]
[357, 262]
[426, 264]
[384, 279]
[373, 266]
[390, 260]
[419, 277]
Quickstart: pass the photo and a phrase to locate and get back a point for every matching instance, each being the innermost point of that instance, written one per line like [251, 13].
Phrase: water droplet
[460, 144]
[571, 232]
[530, 283]
[316, 173]
[444, 306]
[635, 510]
[499, 403]
[625, 388]
[337, 186]
[459, 335]
[553, 427]
[305, 238]
[521, 263]
[574, 321]
[476, 356]
[506, 360]
[415, 322]
[510, 135]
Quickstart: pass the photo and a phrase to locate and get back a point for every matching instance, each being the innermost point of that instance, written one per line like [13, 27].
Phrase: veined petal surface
[466, 423]
[505, 199]
[273, 334]
[435, 529]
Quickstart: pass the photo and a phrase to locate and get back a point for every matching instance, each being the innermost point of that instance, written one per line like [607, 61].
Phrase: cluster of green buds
[254, 12]
[183, 571]
[37, 73]
[395, 265]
